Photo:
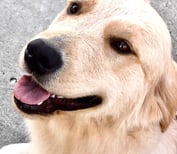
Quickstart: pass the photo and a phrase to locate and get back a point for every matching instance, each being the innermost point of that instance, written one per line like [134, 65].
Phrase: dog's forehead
[106, 1]
[115, 3]
[110, 8]
[103, 11]
[110, 4]
[96, 15]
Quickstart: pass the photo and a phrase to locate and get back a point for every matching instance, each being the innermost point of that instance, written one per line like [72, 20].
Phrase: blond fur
[139, 90]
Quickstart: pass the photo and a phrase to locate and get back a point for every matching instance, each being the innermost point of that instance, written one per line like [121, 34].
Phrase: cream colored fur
[139, 90]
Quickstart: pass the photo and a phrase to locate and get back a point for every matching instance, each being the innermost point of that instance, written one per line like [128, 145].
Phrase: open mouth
[31, 98]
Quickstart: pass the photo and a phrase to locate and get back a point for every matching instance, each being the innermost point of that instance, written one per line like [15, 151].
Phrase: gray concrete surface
[19, 21]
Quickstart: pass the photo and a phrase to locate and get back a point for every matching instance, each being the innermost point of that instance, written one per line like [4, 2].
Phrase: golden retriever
[101, 80]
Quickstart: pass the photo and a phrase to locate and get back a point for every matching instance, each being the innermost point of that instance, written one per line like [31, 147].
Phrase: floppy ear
[167, 92]
[161, 102]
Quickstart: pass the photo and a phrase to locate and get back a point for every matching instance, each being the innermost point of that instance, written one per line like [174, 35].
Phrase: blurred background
[20, 20]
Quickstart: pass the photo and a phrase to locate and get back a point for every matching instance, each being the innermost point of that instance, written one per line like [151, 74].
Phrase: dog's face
[104, 60]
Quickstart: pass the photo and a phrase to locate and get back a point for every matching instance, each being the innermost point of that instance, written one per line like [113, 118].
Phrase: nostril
[42, 58]
[28, 55]
[33, 47]
[29, 52]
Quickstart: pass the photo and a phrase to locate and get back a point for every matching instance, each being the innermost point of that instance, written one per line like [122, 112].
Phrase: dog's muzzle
[30, 97]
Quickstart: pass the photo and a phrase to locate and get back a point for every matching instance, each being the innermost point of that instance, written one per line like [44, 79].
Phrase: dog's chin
[27, 101]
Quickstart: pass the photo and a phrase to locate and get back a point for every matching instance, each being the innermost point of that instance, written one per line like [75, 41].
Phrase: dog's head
[101, 60]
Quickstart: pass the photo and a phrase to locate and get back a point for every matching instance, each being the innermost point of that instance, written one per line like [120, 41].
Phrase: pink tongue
[29, 92]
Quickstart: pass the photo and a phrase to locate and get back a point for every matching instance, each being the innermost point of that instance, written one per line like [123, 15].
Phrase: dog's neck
[78, 138]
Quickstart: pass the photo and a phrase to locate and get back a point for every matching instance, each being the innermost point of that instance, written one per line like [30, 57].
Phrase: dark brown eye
[74, 8]
[120, 46]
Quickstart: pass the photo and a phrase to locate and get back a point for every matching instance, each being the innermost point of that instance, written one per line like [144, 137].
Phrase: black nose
[42, 58]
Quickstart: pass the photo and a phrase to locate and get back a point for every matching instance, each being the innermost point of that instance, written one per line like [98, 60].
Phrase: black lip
[53, 104]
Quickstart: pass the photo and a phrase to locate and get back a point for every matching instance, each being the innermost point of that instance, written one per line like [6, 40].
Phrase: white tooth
[53, 96]
[40, 103]
[60, 97]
